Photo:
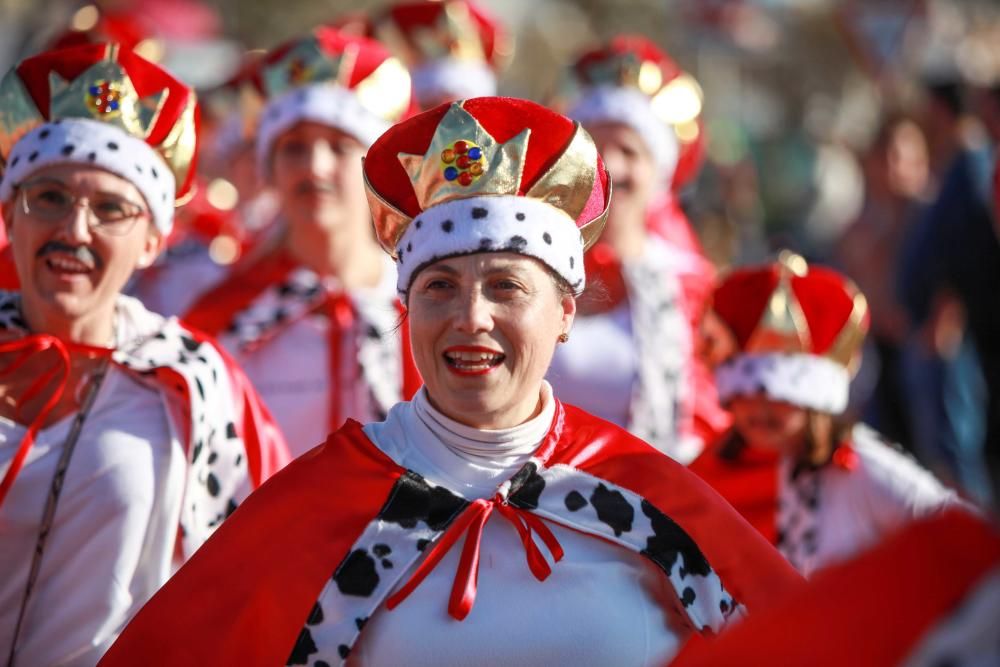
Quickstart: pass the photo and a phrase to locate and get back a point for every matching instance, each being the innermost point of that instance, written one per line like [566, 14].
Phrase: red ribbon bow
[27, 347]
[473, 519]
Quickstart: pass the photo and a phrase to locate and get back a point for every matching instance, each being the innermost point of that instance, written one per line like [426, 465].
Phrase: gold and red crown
[676, 99]
[327, 55]
[425, 31]
[105, 83]
[790, 307]
[485, 147]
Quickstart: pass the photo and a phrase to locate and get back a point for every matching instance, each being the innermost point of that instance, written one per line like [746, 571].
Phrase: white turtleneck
[601, 605]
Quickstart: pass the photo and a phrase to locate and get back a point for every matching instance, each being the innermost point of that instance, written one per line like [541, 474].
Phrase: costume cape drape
[256, 593]
[871, 611]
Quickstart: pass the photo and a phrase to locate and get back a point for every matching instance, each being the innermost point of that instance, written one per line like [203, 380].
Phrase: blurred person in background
[785, 338]
[631, 359]
[145, 430]
[453, 48]
[312, 313]
[948, 278]
[897, 191]
[583, 545]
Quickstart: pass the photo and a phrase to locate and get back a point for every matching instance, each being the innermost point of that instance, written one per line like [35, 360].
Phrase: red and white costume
[176, 436]
[658, 298]
[789, 332]
[929, 595]
[318, 353]
[580, 540]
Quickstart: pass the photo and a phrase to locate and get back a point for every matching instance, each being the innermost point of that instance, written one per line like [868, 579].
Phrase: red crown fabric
[835, 315]
[455, 28]
[625, 61]
[172, 131]
[503, 118]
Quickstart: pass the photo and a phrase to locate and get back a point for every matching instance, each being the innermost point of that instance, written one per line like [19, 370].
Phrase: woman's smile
[472, 360]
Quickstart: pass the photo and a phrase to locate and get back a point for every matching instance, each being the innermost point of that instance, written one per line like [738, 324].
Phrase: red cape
[869, 611]
[245, 596]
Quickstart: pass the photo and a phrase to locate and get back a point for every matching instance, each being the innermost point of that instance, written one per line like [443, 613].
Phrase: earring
[563, 337]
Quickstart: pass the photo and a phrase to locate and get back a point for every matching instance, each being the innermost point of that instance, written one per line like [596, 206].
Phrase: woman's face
[779, 427]
[632, 167]
[71, 267]
[316, 171]
[484, 328]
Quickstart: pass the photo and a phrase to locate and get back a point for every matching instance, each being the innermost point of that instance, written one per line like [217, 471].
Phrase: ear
[568, 303]
[152, 245]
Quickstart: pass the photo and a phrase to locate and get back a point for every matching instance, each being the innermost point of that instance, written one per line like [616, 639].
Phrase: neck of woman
[353, 258]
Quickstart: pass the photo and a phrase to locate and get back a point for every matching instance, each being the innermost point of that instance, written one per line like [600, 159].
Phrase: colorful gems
[451, 173]
[465, 178]
[94, 90]
[447, 156]
[463, 162]
[475, 153]
[476, 169]
[461, 147]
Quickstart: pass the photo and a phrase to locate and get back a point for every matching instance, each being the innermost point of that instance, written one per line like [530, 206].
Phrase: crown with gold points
[793, 333]
[304, 63]
[464, 160]
[104, 83]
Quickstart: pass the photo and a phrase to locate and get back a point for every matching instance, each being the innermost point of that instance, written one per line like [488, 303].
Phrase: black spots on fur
[519, 216]
[200, 388]
[668, 541]
[572, 261]
[231, 431]
[381, 550]
[478, 213]
[304, 647]
[344, 651]
[688, 597]
[517, 243]
[360, 622]
[213, 485]
[231, 507]
[213, 457]
[613, 509]
[68, 149]
[418, 223]
[447, 226]
[526, 487]
[575, 501]
[190, 344]
[547, 238]
[485, 244]
[422, 544]
[315, 616]
[412, 500]
[197, 450]
[724, 606]
[357, 574]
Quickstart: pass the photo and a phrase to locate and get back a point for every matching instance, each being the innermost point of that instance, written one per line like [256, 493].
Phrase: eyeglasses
[51, 202]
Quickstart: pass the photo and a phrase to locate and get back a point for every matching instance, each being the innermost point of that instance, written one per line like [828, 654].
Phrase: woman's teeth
[473, 360]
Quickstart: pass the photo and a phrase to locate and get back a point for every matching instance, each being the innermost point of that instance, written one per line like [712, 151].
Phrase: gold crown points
[462, 162]
[305, 63]
[500, 165]
[105, 92]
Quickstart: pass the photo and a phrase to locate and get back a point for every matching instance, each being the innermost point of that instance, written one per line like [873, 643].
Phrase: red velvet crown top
[548, 157]
[789, 306]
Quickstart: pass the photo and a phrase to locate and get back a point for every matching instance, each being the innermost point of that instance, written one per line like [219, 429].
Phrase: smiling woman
[582, 544]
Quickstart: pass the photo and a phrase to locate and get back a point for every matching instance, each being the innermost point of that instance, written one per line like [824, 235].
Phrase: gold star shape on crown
[437, 176]
[307, 63]
[105, 92]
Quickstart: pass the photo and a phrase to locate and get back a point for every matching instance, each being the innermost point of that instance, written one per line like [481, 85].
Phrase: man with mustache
[313, 316]
[125, 438]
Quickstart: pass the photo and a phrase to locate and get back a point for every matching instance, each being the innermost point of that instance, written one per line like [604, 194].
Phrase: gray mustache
[307, 187]
[82, 253]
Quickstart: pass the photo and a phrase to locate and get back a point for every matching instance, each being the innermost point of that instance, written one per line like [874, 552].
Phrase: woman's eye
[437, 284]
[506, 285]
[53, 197]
